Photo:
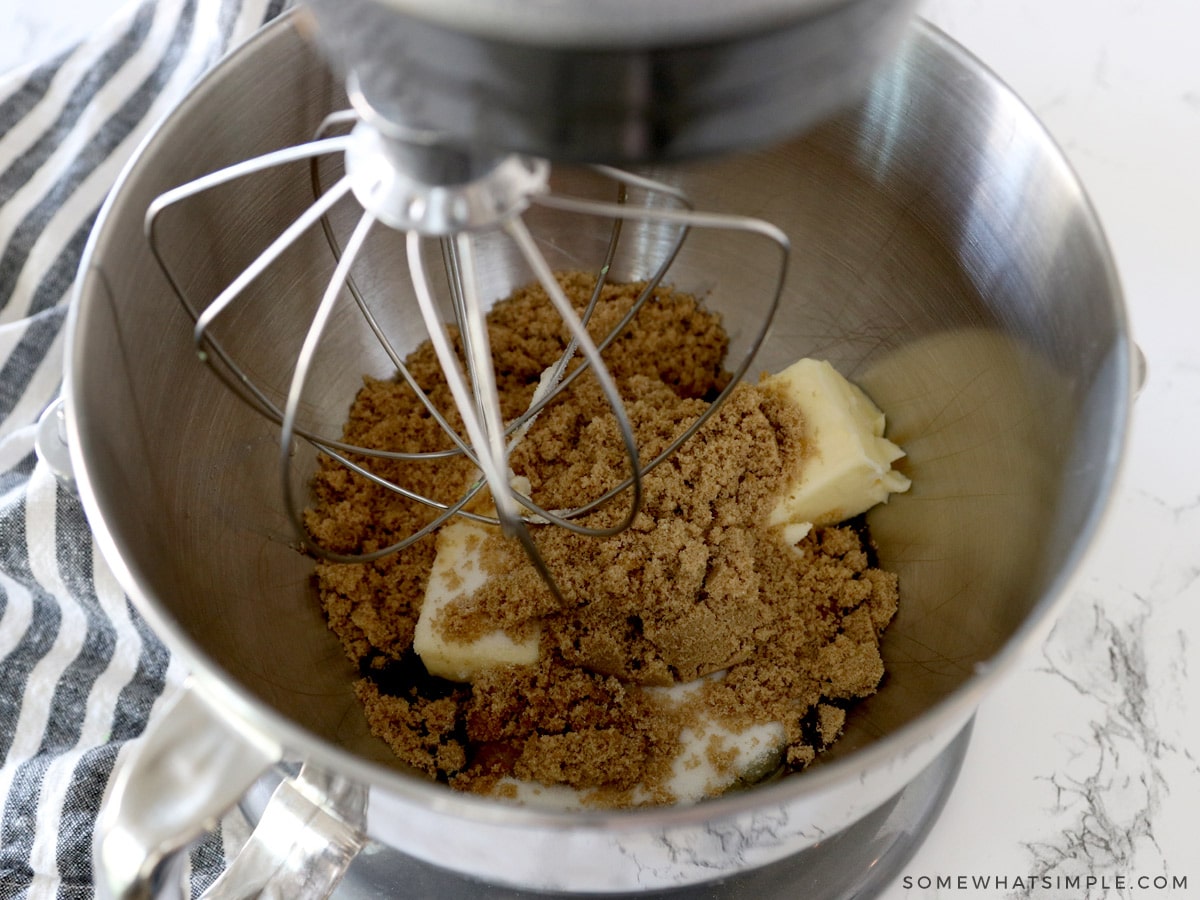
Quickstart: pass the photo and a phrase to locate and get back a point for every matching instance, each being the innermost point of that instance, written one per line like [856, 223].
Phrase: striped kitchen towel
[80, 673]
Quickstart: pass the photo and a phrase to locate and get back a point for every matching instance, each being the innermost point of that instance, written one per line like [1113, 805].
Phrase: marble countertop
[1084, 762]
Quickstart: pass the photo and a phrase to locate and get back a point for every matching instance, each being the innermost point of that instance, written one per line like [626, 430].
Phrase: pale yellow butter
[458, 571]
[847, 467]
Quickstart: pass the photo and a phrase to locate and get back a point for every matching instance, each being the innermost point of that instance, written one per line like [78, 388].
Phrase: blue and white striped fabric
[80, 673]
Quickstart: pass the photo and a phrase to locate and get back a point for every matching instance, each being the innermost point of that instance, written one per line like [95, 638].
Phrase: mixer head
[616, 81]
[455, 109]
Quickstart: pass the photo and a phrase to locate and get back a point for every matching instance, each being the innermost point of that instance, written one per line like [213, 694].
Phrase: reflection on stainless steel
[310, 830]
[983, 420]
[944, 255]
[611, 81]
[184, 774]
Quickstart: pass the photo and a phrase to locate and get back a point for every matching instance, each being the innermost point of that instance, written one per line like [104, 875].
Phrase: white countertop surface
[1086, 761]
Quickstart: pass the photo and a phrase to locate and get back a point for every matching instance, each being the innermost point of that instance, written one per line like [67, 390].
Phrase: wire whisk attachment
[423, 191]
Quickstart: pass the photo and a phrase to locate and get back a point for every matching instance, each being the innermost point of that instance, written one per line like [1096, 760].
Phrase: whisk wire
[304, 360]
[491, 467]
[265, 259]
[472, 327]
[241, 385]
[233, 172]
[517, 229]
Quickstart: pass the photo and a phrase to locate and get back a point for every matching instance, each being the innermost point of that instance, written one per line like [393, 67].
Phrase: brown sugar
[696, 590]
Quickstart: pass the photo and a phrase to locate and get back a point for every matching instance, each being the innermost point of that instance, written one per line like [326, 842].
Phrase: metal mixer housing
[612, 81]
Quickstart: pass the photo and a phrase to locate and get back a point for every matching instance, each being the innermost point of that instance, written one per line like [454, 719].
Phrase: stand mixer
[456, 107]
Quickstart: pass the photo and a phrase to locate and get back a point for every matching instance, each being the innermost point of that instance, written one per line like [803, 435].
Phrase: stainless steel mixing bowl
[945, 257]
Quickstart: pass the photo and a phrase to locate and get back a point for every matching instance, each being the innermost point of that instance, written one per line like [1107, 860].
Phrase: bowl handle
[190, 767]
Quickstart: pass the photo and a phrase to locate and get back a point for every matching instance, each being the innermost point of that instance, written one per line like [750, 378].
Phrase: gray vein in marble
[1108, 793]
[1177, 509]
[719, 847]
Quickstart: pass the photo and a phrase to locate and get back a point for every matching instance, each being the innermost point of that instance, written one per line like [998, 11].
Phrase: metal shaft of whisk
[478, 351]
[480, 409]
[493, 465]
